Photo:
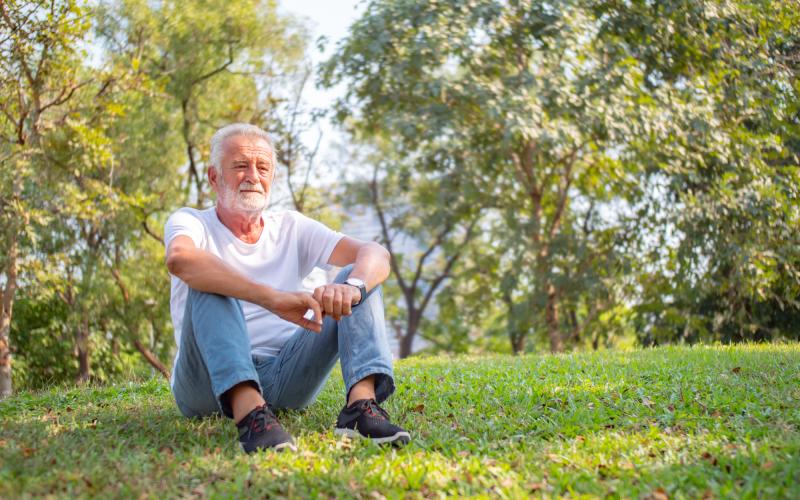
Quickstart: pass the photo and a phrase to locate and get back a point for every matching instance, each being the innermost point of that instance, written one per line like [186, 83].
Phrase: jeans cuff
[229, 383]
[384, 382]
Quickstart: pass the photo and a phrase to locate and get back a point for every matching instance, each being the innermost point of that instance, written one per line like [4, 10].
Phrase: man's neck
[246, 226]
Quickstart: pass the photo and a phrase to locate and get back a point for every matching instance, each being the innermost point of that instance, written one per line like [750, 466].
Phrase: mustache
[246, 186]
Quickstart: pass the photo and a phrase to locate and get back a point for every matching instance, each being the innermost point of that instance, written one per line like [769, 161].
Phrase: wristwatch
[361, 287]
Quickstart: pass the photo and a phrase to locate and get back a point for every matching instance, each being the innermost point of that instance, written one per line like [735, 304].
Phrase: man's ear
[211, 173]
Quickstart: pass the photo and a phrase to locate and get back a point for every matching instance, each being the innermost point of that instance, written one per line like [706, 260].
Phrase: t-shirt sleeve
[315, 243]
[184, 223]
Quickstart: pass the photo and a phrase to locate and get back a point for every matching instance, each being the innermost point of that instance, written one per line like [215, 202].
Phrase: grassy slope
[680, 421]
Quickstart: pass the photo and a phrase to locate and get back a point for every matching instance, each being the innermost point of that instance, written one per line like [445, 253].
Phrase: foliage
[713, 421]
[426, 222]
[42, 82]
[214, 64]
[528, 107]
[722, 200]
[565, 174]
[109, 164]
[623, 153]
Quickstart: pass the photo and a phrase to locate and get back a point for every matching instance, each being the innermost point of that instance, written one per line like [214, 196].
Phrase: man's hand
[293, 306]
[337, 299]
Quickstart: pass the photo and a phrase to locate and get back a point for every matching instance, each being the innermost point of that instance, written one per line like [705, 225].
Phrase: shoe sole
[401, 437]
[279, 447]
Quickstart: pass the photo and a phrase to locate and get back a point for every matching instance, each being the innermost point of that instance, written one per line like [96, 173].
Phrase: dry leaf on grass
[541, 485]
[659, 494]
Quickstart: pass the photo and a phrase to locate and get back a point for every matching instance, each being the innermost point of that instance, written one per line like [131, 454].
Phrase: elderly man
[247, 340]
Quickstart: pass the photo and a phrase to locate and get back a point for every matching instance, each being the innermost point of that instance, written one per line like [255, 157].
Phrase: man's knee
[205, 300]
[343, 274]
[213, 308]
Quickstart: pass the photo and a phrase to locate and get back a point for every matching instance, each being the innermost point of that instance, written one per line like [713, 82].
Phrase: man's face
[243, 181]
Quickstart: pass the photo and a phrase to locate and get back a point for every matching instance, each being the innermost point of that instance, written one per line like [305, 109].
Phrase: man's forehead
[244, 145]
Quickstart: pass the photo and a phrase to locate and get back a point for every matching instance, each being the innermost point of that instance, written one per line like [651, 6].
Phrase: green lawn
[676, 422]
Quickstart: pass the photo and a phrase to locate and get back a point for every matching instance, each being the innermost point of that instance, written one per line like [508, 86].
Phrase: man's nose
[251, 173]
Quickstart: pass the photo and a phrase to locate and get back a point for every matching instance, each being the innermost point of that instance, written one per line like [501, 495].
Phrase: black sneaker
[364, 418]
[260, 430]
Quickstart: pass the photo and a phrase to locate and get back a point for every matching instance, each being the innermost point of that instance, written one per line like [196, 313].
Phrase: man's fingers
[314, 306]
[347, 302]
[311, 325]
[327, 300]
[338, 300]
[347, 307]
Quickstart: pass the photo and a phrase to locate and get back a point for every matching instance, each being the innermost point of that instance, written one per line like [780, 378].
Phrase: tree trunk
[407, 341]
[5, 317]
[551, 318]
[518, 343]
[82, 345]
[573, 323]
[516, 334]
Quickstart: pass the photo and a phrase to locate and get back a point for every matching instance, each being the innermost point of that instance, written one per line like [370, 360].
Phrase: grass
[670, 422]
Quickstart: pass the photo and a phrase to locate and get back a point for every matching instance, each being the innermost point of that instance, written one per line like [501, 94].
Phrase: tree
[215, 65]
[428, 213]
[538, 104]
[129, 122]
[38, 52]
[721, 201]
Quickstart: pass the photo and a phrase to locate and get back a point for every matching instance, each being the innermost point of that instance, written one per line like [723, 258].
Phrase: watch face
[354, 282]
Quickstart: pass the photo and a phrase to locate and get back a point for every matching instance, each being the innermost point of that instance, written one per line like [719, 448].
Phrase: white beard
[235, 199]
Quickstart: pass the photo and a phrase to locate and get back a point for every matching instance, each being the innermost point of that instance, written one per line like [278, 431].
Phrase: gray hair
[234, 129]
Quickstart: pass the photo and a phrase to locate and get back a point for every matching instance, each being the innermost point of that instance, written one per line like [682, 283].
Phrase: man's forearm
[206, 272]
[371, 265]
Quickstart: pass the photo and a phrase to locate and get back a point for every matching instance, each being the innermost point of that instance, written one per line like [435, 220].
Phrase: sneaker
[364, 418]
[260, 430]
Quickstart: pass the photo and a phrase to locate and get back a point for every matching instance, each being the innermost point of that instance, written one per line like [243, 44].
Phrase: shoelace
[262, 420]
[370, 406]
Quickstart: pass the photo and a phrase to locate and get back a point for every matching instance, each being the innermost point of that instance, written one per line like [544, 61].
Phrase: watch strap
[362, 289]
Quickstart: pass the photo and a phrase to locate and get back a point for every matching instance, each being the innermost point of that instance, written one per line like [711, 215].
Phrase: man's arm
[206, 272]
[371, 260]
[370, 264]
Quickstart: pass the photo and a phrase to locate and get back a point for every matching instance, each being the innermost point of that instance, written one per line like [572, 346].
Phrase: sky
[330, 19]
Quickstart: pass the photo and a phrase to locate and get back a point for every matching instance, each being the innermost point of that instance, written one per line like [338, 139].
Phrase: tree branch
[150, 232]
[145, 352]
[421, 261]
[217, 70]
[450, 262]
[61, 99]
[373, 187]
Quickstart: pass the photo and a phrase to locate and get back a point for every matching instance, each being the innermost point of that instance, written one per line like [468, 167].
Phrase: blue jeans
[215, 355]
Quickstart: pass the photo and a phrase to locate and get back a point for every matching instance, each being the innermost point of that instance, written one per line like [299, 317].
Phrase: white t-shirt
[289, 248]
